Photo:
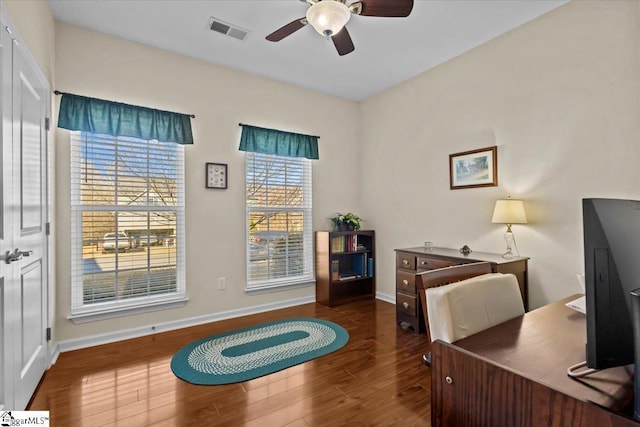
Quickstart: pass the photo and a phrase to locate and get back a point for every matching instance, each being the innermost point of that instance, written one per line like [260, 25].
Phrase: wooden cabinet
[408, 263]
[345, 266]
[412, 261]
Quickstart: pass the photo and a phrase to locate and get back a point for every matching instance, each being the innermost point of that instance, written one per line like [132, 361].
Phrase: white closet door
[8, 273]
[25, 278]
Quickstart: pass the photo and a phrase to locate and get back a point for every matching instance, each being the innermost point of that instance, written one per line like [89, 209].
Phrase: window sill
[276, 287]
[113, 312]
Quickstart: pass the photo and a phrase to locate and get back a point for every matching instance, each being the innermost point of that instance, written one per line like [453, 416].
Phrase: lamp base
[508, 237]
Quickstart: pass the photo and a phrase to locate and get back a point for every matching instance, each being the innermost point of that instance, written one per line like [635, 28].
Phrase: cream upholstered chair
[464, 308]
[463, 300]
[443, 276]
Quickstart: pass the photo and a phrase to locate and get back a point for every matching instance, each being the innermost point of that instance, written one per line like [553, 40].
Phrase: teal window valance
[117, 119]
[272, 141]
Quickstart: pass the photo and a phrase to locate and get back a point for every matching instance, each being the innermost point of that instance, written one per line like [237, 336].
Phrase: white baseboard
[386, 298]
[125, 334]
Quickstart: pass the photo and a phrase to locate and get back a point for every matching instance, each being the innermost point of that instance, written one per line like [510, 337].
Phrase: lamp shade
[328, 17]
[509, 212]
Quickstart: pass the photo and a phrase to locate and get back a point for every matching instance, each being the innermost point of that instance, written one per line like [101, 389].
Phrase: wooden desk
[515, 374]
[413, 261]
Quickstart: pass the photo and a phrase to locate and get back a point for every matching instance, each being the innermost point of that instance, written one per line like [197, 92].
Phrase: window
[127, 207]
[279, 239]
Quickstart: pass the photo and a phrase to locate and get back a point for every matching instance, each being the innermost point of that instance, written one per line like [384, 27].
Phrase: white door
[8, 288]
[25, 277]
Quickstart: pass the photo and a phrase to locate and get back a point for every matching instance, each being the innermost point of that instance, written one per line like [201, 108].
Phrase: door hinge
[48, 229]
[48, 334]
[47, 123]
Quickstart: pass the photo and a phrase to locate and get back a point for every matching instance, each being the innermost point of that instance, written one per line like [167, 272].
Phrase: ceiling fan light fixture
[328, 17]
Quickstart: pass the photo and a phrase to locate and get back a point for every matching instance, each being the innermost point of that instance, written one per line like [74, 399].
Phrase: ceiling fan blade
[287, 30]
[343, 43]
[386, 8]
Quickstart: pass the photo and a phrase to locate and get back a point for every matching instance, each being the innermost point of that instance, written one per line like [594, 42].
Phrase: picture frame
[474, 168]
[216, 175]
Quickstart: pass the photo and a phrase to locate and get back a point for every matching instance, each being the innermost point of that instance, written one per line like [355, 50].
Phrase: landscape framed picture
[475, 168]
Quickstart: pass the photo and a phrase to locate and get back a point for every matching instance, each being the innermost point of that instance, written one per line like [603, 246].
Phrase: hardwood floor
[378, 378]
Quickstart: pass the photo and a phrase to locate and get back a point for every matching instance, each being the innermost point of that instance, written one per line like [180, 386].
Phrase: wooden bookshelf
[345, 266]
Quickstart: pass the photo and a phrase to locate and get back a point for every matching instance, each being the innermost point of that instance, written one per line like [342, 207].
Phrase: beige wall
[37, 27]
[93, 64]
[559, 96]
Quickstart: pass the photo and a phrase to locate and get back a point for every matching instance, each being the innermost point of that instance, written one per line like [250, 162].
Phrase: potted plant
[344, 222]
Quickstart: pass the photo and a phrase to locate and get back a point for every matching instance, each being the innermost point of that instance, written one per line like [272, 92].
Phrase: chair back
[464, 308]
[443, 276]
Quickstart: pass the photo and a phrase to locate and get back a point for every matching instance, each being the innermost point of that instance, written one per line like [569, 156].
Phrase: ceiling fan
[329, 18]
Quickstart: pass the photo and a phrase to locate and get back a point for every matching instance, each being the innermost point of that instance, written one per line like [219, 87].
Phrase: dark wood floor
[378, 378]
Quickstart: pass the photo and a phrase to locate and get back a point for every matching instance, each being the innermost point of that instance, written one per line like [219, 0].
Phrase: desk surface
[542, 344]
[455, 253]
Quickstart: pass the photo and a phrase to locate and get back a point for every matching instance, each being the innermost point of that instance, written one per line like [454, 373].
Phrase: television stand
[573, 371]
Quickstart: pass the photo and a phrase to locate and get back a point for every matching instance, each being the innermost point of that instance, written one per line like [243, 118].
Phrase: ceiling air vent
[227, 29]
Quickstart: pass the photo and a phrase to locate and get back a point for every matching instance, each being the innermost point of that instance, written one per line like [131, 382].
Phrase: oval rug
[254, 351]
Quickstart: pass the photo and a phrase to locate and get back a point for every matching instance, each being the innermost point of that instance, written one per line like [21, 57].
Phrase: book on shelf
[358, 263]
[335, 268]
[346, 244]
[348, 275]
[363, 264]
[337, 244]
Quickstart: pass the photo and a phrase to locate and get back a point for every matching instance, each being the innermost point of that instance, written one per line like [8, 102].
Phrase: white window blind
[127, 207]
[279, 226]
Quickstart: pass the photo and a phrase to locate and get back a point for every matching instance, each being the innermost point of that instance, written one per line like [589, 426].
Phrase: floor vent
[227, 29]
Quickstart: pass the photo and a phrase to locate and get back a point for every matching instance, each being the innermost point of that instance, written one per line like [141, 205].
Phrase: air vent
[227, 29]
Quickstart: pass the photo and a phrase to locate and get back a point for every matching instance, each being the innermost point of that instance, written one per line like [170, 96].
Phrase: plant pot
[341, 226]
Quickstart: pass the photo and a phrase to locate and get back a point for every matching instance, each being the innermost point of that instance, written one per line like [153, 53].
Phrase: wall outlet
[222, 283]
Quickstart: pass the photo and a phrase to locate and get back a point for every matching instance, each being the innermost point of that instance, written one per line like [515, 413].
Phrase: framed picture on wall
[216, 175]
[475, 168]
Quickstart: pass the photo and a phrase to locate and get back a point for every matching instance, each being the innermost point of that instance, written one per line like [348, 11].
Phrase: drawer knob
[448, 379]
[405, 305]
[405, 282]
[423, 262]
[405, 262]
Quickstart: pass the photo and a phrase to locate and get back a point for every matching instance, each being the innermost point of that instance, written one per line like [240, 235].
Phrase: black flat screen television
[612, 271]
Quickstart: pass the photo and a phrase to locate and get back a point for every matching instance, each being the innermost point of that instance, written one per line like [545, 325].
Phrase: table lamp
[509, 212]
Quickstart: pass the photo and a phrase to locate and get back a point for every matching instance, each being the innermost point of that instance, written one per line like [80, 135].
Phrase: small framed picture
[475, 168]
[216, 175]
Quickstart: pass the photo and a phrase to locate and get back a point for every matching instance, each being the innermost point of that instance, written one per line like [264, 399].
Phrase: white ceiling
[387, 50]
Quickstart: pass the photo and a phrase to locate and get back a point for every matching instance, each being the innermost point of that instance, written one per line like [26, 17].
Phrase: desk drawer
[406, 282]
[433, 263]
[406, 261]
[406, 304]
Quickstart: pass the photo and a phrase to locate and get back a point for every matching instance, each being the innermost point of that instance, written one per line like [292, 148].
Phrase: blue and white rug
[255, 351]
